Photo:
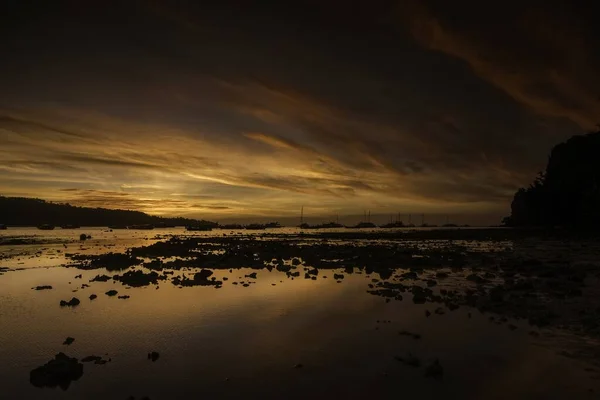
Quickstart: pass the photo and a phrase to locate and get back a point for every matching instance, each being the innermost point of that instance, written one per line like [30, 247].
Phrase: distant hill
[567, 193]
[21, 211]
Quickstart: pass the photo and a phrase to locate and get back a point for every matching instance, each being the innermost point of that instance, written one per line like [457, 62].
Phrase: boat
[3, 227]
[397, 224]
[70, 226]
[198, 228]
[117, 227]
[255, 227]
[232, 226]
[146, 227]
[46, 227]
[327, 225]
[364, 225]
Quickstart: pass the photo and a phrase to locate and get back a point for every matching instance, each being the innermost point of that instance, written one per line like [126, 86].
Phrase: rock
[69, 341]
[110, 261]
[440, 311]
[338, 277]
[475, 278]
[91, 359]
[60, 371]
[434, 370]
[78, 276]
[410, 275]
[100, 278]
[203, 274]
[83, 236]
[44, 287]
[71, 303]
[297, 366]
[419, 298]
[137, 278]
[411, 334]
[296, 261]
[252, 275]
[409, 360]
[153, 356]
[124, 297]
[93, 297]
[427, 313]
[111, 293]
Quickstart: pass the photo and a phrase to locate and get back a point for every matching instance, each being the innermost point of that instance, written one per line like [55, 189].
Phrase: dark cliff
[567, 193]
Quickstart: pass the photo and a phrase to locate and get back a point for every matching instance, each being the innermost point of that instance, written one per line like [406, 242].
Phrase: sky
[237, 110]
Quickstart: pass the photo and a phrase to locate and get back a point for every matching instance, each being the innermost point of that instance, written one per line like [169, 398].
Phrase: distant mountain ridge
[23, 211]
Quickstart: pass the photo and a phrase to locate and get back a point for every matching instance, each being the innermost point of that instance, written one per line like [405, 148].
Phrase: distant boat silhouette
[142, 227]
[199, 228]
[232, 226]
[46, 227]
[117, 226]
[397, 224]
[255, 226]
[327, 225]
[70, 226]
[3, 227]
[362, 225]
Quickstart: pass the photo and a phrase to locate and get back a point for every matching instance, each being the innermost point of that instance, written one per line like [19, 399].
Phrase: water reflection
[245, 341]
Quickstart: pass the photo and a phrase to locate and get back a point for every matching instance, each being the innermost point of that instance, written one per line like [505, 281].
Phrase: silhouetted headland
[20, 211]
[567, 193]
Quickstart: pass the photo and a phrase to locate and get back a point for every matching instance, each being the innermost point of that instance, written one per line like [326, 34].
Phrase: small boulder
[153, 356]
[434, 370]
[69, 341]
[91, 359]
[43, 287]
[111, 293]
[60, 371]
[71, 303]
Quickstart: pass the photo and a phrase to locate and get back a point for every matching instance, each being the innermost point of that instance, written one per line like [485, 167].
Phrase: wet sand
[286, 336]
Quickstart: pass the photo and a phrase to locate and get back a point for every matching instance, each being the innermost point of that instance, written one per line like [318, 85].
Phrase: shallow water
[239, 341]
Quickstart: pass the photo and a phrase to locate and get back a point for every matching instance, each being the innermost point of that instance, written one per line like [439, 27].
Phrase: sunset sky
[239, 110]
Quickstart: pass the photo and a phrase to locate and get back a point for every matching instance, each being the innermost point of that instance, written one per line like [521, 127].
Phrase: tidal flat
[282, 313]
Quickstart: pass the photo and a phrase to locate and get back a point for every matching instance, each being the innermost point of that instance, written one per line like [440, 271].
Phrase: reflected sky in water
[239, 341]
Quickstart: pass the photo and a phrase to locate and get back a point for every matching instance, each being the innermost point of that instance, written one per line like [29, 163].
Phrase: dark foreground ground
[461, 313]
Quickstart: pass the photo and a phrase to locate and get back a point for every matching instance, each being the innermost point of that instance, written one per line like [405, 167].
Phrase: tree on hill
[567, 193]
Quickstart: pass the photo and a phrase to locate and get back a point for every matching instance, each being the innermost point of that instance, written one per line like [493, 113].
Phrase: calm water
[243, 342]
